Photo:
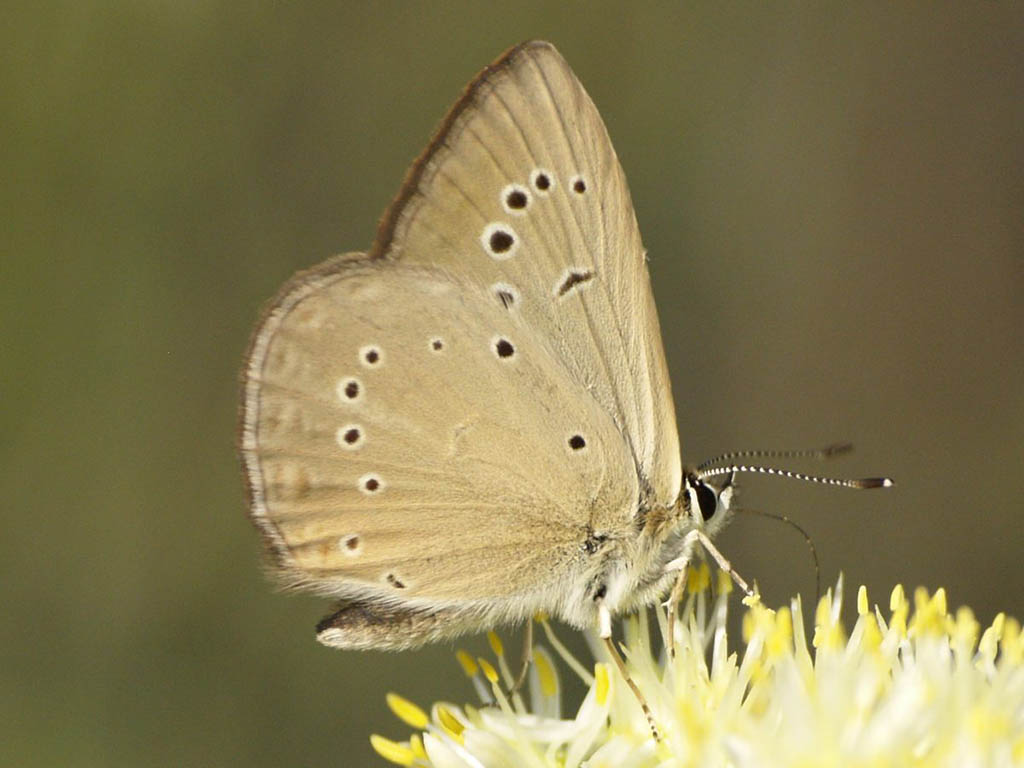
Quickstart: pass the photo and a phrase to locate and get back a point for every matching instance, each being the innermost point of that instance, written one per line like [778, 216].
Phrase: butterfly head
[703, 504]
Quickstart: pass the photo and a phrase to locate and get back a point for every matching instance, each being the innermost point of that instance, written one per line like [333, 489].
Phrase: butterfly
[472, 422]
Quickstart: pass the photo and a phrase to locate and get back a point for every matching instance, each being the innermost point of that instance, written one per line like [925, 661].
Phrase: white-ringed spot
[507, 294]
[351, 437]
[350, 545]
[371, 356]
[499, 240]
[542, 181]
[350, 390]
[578, 184]
[572, 279]
[504, 349]
[371, 483]
[515, 199]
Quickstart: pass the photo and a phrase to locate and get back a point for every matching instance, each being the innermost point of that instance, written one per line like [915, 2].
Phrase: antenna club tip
[875, 482]
[836, 448]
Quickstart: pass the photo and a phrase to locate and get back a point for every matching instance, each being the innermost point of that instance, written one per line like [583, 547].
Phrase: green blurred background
[832, 198]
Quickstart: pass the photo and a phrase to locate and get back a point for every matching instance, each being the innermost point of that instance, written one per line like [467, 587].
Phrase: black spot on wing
[574, 279]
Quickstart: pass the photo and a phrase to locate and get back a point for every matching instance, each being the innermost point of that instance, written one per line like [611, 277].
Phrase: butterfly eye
[707, 500]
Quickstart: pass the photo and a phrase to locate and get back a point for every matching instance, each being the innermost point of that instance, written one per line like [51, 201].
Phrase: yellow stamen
[692, 580]
[468, 664]
[929, 613]
[862, 600]
[897, 599]
[416, 745]
[921, 599]
[964, 629]
[1017, 751]
[724, 585]
[407, 712]
[496, 644]
[489, 671]
[568, 658]
[989, 645]
[602, 683]
[780, 636]
[872, 638]
[1012, 645]
[899, 607]
[545, 673]
[698, 579]
[450, 723]
[823, 613]
[828, 633]
[939, 601]
[392, 750]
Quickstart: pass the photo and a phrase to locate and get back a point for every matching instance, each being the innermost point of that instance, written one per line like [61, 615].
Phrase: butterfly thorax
[636, 568]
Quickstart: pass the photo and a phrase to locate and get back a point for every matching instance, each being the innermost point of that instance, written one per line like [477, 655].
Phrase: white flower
[919, 688]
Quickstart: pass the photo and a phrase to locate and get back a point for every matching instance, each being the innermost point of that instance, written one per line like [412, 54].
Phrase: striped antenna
[828, 452]
[866, 482]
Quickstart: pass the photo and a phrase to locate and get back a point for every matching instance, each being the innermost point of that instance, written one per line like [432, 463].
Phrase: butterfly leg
[527, 656]
[673, 609]
[696, 536]
[604, 619]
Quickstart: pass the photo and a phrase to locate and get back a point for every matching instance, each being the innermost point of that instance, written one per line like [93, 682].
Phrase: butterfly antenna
[828, 452]
[859, 483]
[802, 532]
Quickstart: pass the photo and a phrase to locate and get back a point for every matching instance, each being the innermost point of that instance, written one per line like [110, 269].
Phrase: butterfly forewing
[522, 194]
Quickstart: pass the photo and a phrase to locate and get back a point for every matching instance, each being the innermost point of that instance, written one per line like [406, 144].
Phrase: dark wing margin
[389, 222]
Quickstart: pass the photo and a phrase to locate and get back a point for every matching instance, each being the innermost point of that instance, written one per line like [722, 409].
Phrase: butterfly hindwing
[400, 430]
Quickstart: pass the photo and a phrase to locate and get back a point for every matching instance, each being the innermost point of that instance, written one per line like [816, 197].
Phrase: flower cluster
[916, 686]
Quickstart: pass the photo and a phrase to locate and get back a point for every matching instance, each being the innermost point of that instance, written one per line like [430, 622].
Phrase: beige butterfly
[473, 421]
